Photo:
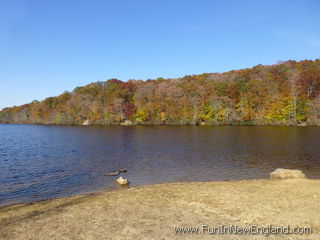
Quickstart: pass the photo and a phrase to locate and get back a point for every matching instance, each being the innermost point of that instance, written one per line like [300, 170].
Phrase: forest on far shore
[287, 93]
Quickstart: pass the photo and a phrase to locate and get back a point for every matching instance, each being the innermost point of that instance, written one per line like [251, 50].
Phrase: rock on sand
[281, 173]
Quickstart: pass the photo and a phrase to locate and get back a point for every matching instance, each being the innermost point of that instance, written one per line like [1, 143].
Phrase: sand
[153, 211]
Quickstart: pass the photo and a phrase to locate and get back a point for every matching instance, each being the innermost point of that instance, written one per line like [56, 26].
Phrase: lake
[39, 162]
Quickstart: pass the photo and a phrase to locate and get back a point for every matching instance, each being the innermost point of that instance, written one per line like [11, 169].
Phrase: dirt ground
[153, 211]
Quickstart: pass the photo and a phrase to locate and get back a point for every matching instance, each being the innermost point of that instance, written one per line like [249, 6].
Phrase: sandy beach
[154, 211]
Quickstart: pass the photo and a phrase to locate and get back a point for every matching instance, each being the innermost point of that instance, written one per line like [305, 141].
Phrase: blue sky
[47, 47]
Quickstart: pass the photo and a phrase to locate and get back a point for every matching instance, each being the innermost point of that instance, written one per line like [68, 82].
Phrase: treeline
[287, 93]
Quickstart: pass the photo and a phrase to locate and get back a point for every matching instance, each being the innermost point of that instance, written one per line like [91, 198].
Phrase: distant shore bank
[159, 125]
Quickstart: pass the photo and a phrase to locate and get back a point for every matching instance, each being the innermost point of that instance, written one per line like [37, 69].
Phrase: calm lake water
[39, 162]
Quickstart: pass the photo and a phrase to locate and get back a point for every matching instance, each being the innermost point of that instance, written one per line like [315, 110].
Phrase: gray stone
[281, 173]
[86, 123]
[126, 123]
[122, 181]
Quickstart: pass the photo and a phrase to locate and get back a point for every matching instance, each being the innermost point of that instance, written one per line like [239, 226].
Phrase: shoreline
[151, 211]
[120, 188]
[167, 124]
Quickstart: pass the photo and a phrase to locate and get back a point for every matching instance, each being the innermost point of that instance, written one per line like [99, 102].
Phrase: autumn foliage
[287, 93]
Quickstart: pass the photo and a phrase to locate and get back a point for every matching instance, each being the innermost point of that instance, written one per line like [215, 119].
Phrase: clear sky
[47, 47]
